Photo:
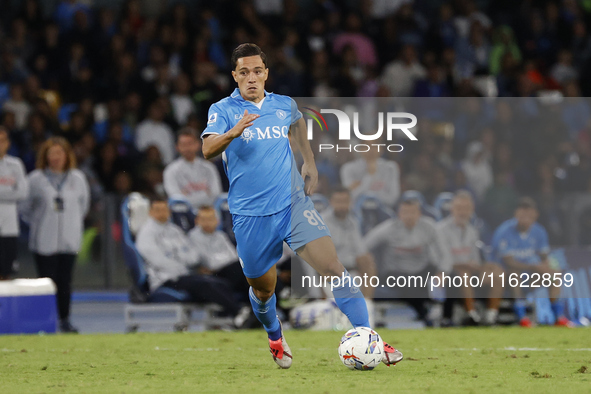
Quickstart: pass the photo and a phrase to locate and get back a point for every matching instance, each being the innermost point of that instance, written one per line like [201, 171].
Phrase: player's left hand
[310, 175]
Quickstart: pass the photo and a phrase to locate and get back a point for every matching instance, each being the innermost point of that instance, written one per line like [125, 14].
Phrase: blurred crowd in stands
[121, 83]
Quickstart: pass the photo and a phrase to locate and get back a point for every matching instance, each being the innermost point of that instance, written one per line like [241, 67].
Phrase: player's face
[4, 143]
[462, 210]
[250, 75]
[207, 220]
[341, 203]
[409, 214]
[526, 217]
[159, 211]
[56, 158]
[188, 146]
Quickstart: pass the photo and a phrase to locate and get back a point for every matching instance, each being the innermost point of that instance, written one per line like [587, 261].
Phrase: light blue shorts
[260, 238]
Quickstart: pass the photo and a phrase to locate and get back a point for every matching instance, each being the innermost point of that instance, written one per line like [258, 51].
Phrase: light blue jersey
[524, 247]
[259, 164]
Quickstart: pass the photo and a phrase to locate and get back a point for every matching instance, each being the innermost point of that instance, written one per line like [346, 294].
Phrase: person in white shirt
[58, 202]
[372, 175]
[154, 132]
[168, 256]
[217, 255]
[412, 247]
[347, 238]
[191, 177]
[13, 188]
[181, 103]
[460, 238]
[400, 75]
[477, 169]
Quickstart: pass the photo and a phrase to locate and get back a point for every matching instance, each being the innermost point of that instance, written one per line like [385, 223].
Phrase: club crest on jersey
[212, 118]
[281, 114]
[247, 135]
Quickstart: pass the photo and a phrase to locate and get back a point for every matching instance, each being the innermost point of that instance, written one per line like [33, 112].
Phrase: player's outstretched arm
[299, 136]
[214, 144]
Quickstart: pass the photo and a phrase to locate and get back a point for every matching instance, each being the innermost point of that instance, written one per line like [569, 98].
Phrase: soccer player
[268, 196]
[460, 237]
[521, 245]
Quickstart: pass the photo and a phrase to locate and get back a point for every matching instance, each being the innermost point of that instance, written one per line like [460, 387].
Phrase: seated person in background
[217, 255]
[168, 254]
[460, 238]
[190, 176]
[372, 175]
[521, 245]
[413, 247]
[347, 238]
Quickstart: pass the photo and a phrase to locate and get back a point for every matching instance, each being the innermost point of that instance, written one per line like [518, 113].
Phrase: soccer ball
[361, 348]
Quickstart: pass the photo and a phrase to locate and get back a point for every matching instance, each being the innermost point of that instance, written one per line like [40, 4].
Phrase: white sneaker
[281, 351]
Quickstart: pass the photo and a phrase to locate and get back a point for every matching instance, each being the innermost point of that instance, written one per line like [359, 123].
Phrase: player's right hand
[246, 121]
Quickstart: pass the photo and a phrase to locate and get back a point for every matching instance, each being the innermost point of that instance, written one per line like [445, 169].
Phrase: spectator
[478, 170]
[504, 45]
[372, 175]
[400, 75]
[18, 105]
[168, 254]
[461, 239]
[13, 188]
[58, 202]
[217, 254]
[180, 101]
[413, 246]
[347, 238]
[564, 71]
[153, 131]
[189, 176]
[363, 47]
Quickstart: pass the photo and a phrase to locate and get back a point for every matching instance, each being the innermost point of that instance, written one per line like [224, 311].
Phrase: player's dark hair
[187, 132]
[245, 50]
[4, 130]
[527, 203]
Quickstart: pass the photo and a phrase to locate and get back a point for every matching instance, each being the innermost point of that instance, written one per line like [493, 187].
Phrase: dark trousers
[203, 288]
[232, 273]
[8, 249]
[59, 268]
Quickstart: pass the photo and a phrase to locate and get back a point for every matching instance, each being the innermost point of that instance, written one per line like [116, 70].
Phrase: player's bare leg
[264, 286]
[263, 291]
[322, 256]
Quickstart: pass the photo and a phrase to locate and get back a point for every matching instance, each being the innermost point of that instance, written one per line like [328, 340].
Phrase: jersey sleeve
[217, 122]
[295, 112]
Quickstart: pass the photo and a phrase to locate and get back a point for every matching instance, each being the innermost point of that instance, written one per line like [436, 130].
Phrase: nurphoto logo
[344, 132]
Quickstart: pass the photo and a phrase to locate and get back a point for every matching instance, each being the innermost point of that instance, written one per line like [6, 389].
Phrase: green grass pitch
[544, 359]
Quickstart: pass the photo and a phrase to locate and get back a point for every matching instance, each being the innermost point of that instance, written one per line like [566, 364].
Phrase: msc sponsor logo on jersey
[269, 132]
[212, 118]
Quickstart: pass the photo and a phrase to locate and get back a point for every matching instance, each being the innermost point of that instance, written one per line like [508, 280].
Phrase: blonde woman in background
[58, 202]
